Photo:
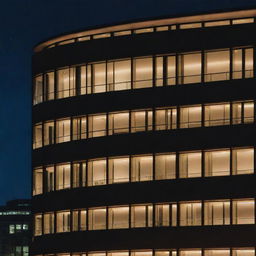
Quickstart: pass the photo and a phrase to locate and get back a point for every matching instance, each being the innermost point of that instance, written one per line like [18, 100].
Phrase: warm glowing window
[79, 174]
[62, 130]
[190, 117]
[118, 169]
[162, 215]
[38, 89]
[166, 119]
[190, 68]
[141, 120]
[63, 221]
[237, 64]
[97, 125]
[38, 181]
[99, 76]
[243, 211]
[243, 161]
[62, 176]
[37, 134]
[143, 72]
[171, 70]
[217, 252]
[248, 112]
[159, 71]
[217, 66]
[83, 216]
[38, 224]
[118, 217]
[190, 214]
[217, 213]
[79, 128]
[97, 172]
[49, 86]
[49, 223]
[190, 252]
[97, 218]
[218, 114]
[66, 83]
[249, 63]
[48, 133]
[141, 216]
[190, 165]
[217, 163]
[75, 220]
[217, 23]
[118, 123]
[49, 173]
[243, 252]
[142, 168]
[165, 166]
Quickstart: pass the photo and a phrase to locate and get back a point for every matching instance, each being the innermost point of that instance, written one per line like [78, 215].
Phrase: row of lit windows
[16, 228]
[20, 251]
[168, 118]
[240, 251]
[217, 212]
[95, 172]
[143, 72]
[194, 25]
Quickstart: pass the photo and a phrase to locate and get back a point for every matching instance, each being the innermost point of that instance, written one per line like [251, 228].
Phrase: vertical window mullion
[165, 73]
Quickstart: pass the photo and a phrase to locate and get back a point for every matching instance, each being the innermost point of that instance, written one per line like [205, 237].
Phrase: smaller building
[15, 228]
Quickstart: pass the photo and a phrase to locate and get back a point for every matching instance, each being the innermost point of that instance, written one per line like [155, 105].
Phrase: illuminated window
[217, 163]
[83, 222]
[141, 216]
[190, 25]
[49, 223]
[49, 86]
[217, 23]
[165, 166]
[191, 252]
[243, 211]
[49, 172]
[48, 133]
[97, 218]
[159, 71]
[99, 76]
[190, 214]
[217, 252]
[97, 172]
[75, 220]
[62, 176]
[190, 165]
[62, 130]
[162, 215]
[38, 224]
[118, 123]
[118, 169]
[141, 253]
[79, 172]
[249, 63]
[38, 89]
[63, 221]
[237, 64]
[217, 213]
[97, 125]
[243, 161]
[166, 119]
[66, 83]
[171, 70]
[118, 217]
[38, 181]
[142, 168]
[218, 114]
[243, 252]
[37, 136]
[141, 120]
[190, 117]
[79, 128]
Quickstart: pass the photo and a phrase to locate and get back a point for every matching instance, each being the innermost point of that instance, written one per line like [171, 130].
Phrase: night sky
[24, 23]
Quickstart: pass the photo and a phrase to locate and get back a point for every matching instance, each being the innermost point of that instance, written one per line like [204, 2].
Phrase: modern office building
[15, 228]
[144, 138]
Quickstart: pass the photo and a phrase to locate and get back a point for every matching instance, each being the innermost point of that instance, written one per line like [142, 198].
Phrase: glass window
[171, 70]
[97, 125]
[38, 89]
[217, 23]
[79, 128]
[248, 112]
[218, 114]
[243, 252]
[190, 214]
[118, 169]
[82, 83]
[83, 222]
[190, 117]
[165, 166]
[166, 119]
[142, 168]
[217, 252]
[49, 172]
[119, 253]
[79, 172]
[190, 68]
[141, 120]
[118, 217]
[49, 223]
[143, 72]
[217, 213]
[49, 86]
[38, 181]
[143, 30]
[243, 211]
[38, 225]
[190, 165]
[141, 253]
[11, 229]
[63, 221]
[217, 66]
[63, 176]
[249, 63]
[190, 252]
[162, 215]
[118, 123]
[243, 21]
[62, 130]
[97, 172]
[217, 163]
[159, 71]
[48, 133]
[237, 113]
[99, 76]
[75, 220]
[190, 25]
[97, 218]
[237, 64]
[141, 216]
[37, 140]
[65, 83]
[243, 161]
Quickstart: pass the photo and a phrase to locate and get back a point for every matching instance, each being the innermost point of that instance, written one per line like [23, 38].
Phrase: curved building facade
[144, 139]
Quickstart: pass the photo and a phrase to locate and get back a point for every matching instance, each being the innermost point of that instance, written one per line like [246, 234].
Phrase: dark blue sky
[24, 23]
